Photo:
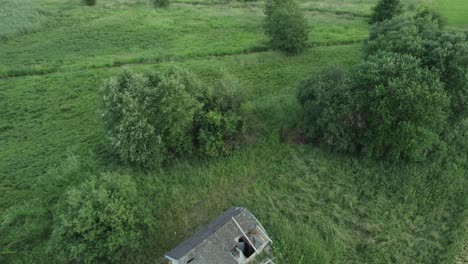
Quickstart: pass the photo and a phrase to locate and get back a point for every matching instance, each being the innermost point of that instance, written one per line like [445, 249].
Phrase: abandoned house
[235, 237]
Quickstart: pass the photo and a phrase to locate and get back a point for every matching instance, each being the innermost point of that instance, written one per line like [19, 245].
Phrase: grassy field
[318, 207]
[456, 12]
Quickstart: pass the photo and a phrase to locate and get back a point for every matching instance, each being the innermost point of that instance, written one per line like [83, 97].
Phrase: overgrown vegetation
[20, 17]
[285, 25]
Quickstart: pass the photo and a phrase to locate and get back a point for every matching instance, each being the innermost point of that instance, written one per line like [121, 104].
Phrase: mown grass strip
[38, 71]
[337, 12]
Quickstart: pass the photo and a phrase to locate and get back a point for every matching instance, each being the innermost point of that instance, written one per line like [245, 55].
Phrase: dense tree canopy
[445, 53]
[404, 105]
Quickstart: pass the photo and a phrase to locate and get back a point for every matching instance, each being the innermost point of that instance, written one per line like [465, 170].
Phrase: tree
[101, 220]
[404, 105]
[385, 10]
[330, 115]
[153, 117]
[149, 117]
[445, 53]
[285, 25]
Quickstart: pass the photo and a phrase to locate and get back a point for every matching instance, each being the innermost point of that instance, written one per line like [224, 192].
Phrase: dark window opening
[246, 248]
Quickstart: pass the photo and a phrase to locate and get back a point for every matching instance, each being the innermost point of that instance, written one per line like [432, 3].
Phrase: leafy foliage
[445, 53]
[404, 105]
[385, 10]
[329, 110]
[217, 132]
[101, 220]
[220, 122]
[149, 116]
[285, 25]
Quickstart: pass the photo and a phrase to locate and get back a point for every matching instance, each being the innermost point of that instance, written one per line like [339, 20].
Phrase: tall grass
[19, 17]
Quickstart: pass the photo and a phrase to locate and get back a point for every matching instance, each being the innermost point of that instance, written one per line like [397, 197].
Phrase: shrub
[220, 122]
[89, 2]
[404, 105]
[386, 9]
[161, 3]
[445, 53]
[217, 132]
[99, 221]
[329, 110]
[149, 117]
[285, 25]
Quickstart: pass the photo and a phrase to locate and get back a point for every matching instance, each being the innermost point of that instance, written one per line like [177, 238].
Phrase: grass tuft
[20, 17]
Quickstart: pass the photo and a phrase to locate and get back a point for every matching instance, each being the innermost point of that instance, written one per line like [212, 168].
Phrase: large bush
[149, 117]
[443, 52]
[220, 123]
[404, 105]
[330, 114]
[99, 221]
[386, 9]
[285, 25]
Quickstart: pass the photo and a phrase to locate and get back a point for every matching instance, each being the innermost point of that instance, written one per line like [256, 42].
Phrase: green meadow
[318, 206]
[456, 13]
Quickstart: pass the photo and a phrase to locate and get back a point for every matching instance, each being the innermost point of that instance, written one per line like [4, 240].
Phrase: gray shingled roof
[202, 237]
